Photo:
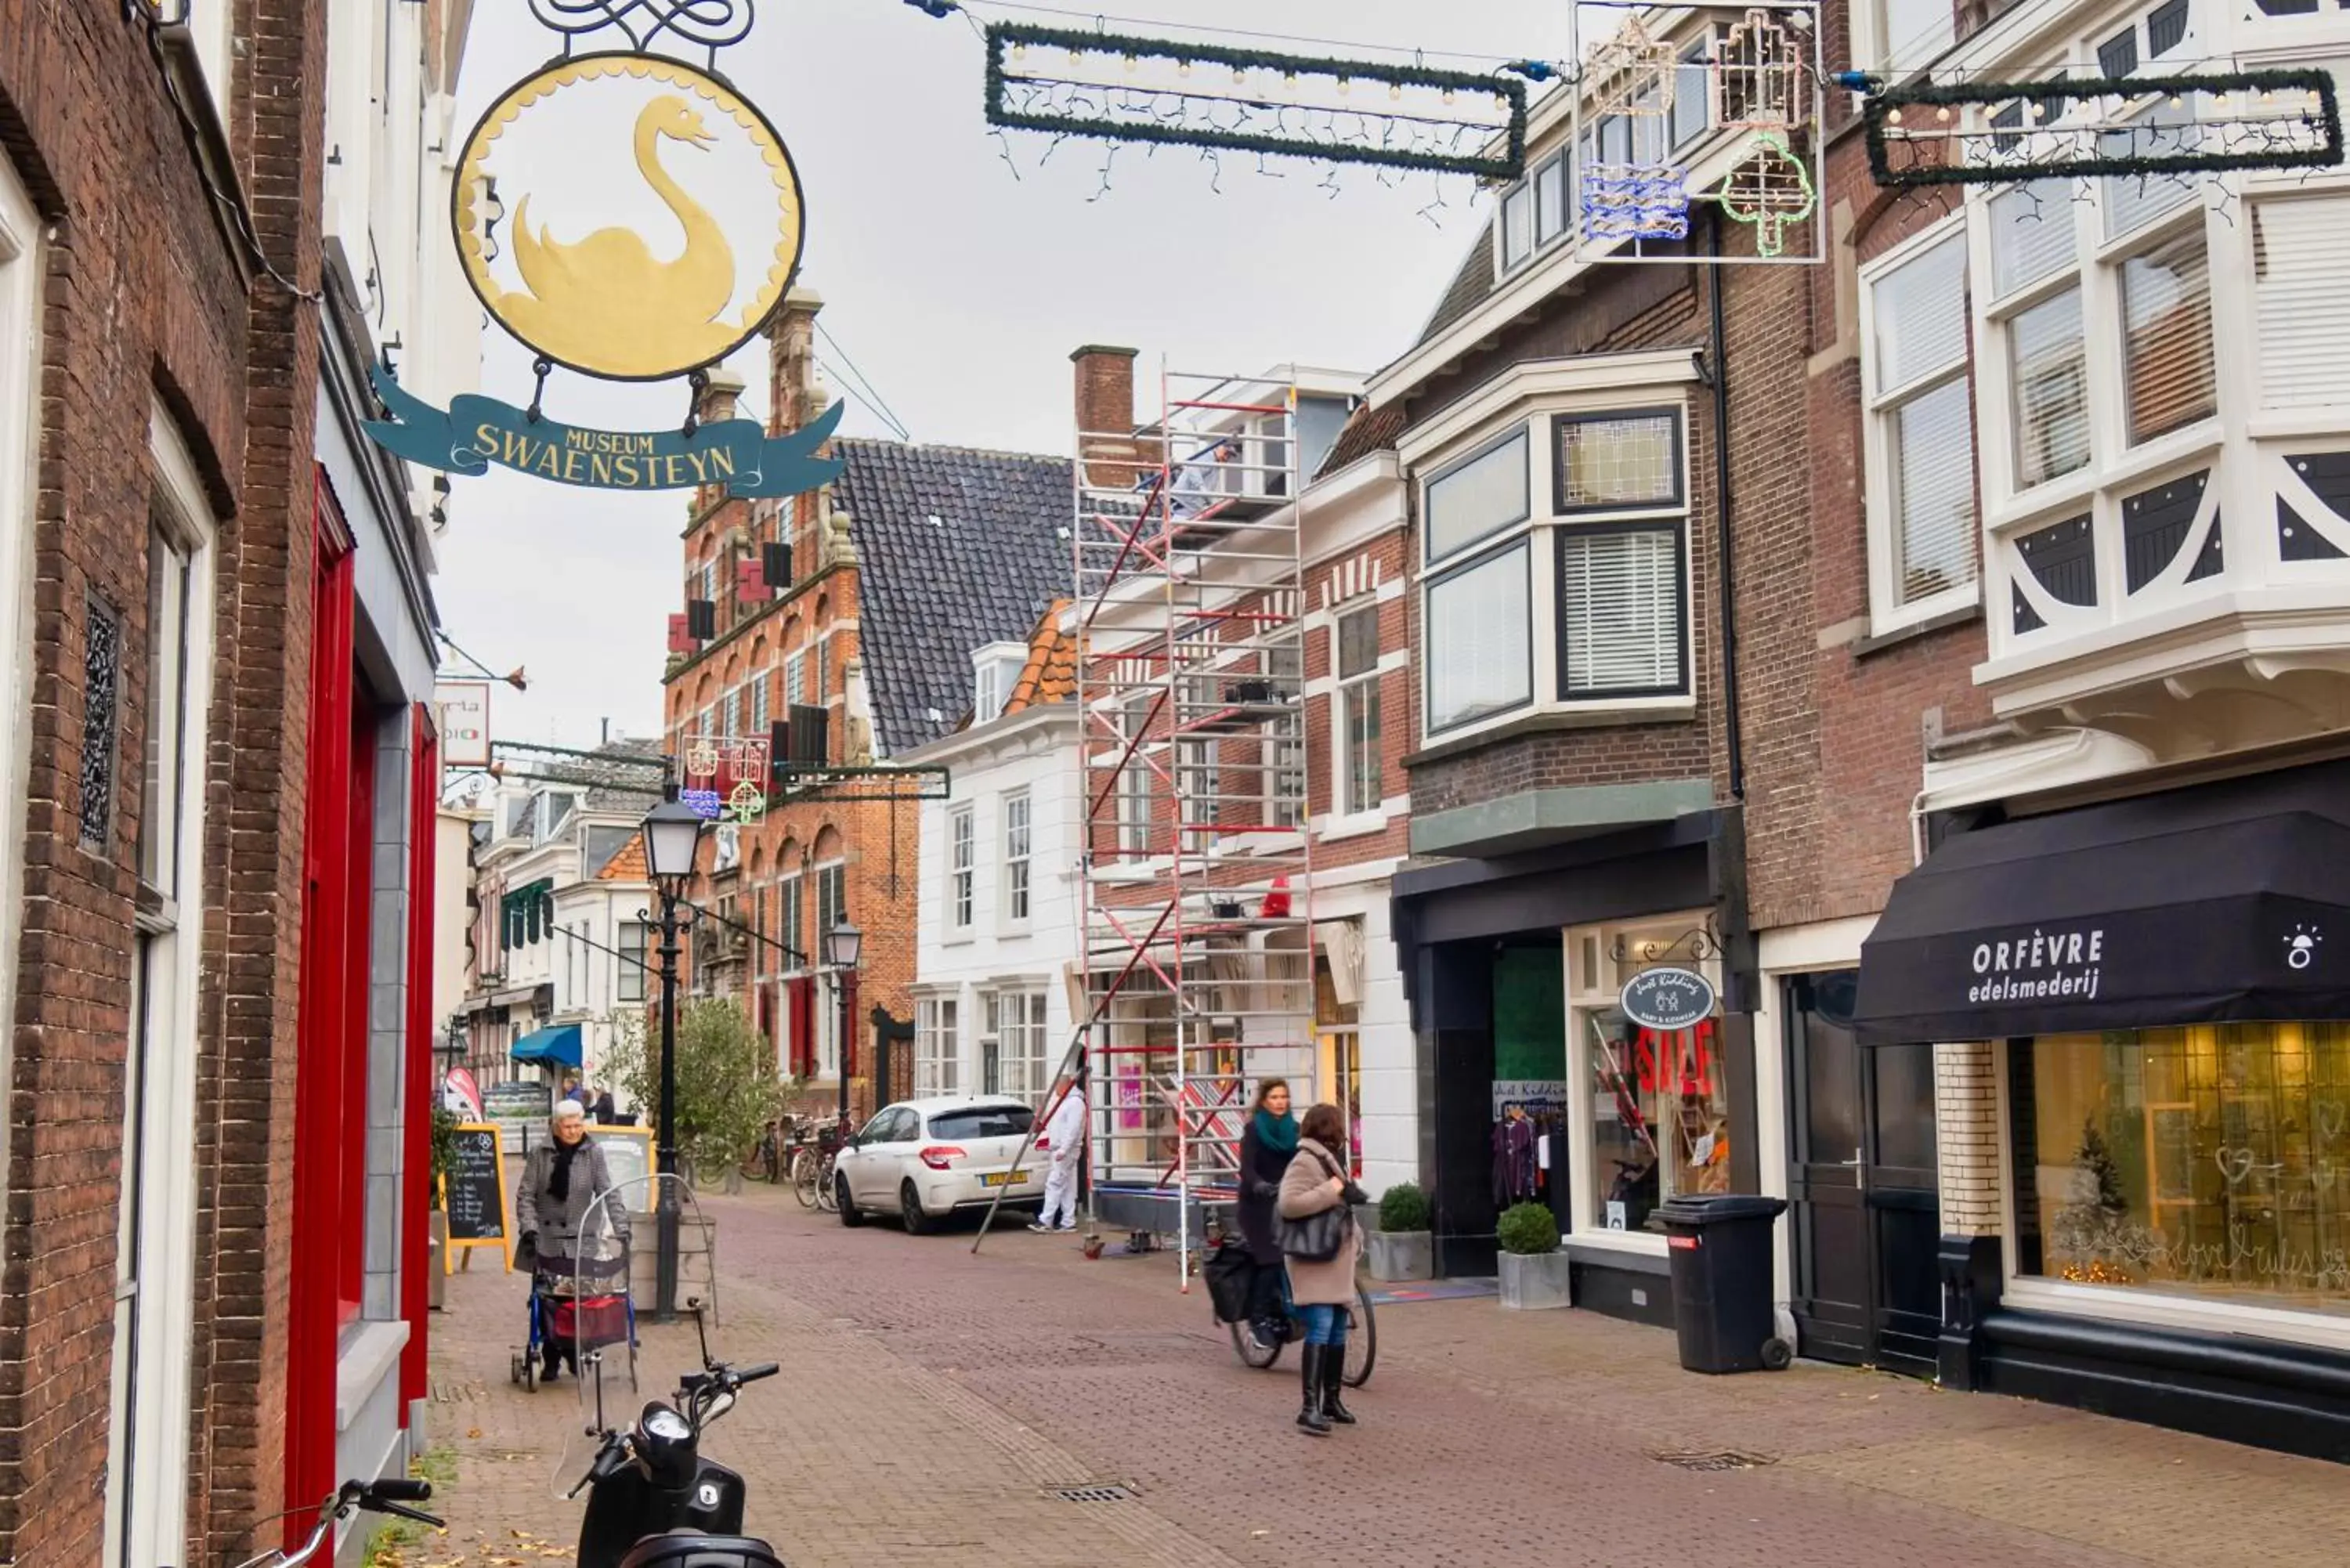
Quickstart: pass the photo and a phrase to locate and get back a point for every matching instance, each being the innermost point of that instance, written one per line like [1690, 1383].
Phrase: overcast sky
[958, 289]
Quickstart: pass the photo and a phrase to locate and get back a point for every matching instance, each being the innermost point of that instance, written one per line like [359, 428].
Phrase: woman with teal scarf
[1267, 1145]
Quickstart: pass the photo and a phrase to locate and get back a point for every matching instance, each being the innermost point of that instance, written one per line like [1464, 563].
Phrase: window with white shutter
[1921, 485]
[2298, 246]
[1621, 624]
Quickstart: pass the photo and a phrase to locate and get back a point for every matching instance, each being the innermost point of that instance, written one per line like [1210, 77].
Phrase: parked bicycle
[812, 1167]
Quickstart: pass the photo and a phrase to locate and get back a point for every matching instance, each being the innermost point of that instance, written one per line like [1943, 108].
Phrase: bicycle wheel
[1362, 1341]
[827, 1197]
[1252, 1353]
[803, 1181]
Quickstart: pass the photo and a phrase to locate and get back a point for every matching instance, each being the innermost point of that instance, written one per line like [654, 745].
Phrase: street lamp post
[841, 946]
[673, 836]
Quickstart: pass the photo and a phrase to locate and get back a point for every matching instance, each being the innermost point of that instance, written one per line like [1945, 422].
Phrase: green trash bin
[1720, 1248]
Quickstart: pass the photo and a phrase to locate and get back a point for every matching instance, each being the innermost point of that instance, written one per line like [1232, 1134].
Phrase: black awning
[2228, 900]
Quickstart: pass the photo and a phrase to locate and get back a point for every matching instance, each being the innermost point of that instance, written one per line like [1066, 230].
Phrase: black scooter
[653, 1502]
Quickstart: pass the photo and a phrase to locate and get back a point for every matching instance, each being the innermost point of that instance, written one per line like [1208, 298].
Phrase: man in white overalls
[1065, 1145]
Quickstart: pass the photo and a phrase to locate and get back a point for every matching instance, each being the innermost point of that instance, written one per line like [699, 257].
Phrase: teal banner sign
[477, 431]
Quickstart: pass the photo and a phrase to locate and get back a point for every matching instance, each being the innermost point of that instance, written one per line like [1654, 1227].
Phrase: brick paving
[932, 1400]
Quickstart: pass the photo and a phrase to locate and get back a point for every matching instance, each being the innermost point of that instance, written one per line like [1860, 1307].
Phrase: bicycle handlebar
[397, 1490]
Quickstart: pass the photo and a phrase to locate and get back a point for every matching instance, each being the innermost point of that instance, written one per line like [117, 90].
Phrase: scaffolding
[1196, 914]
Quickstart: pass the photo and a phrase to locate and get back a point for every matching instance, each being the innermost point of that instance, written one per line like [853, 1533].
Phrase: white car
[923, 1160]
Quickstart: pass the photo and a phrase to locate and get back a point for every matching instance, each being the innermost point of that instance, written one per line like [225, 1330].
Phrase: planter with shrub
[1534, 1269]
[1400, 1247]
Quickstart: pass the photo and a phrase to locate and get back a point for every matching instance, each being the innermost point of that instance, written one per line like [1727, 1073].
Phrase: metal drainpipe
[1720, 379]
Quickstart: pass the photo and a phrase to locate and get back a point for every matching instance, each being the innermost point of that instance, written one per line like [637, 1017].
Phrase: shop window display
[2209, 1160]
[1659, 1116]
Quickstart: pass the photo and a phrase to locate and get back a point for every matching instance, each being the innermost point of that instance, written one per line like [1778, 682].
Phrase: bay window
[2167, 377]
[1920, 447]
[1611, 547]
[2298, 242]
[1011, 1044]
[2048, 363]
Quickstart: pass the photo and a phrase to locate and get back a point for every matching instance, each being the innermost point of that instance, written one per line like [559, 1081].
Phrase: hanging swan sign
[1667, 999]
[631, 218]
[627, 216]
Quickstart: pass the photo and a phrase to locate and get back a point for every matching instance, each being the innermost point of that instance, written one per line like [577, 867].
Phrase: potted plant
[1400, 1248]
[1534, 1269]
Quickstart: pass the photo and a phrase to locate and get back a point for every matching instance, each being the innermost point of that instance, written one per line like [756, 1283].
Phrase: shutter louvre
[1620, 611]
[2298, 293]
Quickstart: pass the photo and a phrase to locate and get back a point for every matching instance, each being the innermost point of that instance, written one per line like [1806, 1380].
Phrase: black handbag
[1317, 1238]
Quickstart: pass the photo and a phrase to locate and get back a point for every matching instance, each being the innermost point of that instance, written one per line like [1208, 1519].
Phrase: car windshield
[982, 1121]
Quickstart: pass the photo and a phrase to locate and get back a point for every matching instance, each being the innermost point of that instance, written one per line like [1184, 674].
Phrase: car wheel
[849, 1214]
[909, 1210]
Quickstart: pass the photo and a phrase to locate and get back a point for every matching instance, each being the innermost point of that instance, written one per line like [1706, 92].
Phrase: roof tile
[1051, 673]
[956, 548]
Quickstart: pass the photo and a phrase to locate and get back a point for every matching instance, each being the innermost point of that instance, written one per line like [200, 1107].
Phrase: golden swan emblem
[605, 299]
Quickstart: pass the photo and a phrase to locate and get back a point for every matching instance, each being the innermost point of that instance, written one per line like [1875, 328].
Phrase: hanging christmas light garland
[2282, 119]
[1412, 133]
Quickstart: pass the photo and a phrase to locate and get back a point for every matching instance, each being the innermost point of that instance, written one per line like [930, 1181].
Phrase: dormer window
[995, 670]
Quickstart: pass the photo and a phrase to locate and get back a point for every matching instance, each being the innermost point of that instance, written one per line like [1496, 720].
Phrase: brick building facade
[170, 281]
[911, 559]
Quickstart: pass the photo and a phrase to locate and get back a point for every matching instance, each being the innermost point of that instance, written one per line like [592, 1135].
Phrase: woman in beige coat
[1323, 1292]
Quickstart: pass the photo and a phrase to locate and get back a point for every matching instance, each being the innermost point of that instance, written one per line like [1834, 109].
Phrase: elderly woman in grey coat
[561, 1178]
[1322, 1291]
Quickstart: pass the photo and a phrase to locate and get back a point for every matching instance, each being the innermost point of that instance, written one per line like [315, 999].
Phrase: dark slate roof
[955, 549]
[1470, 285]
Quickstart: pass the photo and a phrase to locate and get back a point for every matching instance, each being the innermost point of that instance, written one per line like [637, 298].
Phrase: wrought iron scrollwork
[712, 25]
[1694, 946]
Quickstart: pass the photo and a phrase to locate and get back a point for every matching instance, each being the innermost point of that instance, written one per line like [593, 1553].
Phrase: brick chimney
[795, 389]
[1105, 409]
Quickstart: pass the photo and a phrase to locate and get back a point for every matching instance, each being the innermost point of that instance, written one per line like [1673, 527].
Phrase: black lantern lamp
[673, 839]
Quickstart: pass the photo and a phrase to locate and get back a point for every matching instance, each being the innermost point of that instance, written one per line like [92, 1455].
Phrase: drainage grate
[1093, 1494]
[1721, 1461]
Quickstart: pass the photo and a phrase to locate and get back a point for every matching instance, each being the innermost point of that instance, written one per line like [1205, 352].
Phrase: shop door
[1867, 1220]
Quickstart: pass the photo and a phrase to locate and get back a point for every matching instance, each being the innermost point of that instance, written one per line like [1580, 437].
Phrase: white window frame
[1880, 404]
[155, 1274]
[634, 943]
[1346, 692]
[1019, 892]
[938, 1045]
[788, 912]
[959, 889]
[1138, 790]
[759, 712]
[794, 678]
[2115, 468]
[1536, 533]
[1016, 1020]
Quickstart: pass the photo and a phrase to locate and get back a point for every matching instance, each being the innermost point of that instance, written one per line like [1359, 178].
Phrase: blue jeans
[1325, 1325]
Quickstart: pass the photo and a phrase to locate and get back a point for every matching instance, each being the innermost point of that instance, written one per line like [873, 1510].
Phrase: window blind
[2167, 337]
[1919, 313]
[1620, 610]
[1479, 646]
[2297, 289]
[2031, 235]
[2051, 390]
[1932, 448]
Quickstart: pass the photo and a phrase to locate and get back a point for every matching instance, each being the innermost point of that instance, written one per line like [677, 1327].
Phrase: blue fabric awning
[556, 1047]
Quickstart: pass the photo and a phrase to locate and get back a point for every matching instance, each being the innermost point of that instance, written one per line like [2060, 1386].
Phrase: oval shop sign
[1667, 999]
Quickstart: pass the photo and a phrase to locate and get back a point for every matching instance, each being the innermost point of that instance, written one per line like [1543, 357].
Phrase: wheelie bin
[1720, 1249]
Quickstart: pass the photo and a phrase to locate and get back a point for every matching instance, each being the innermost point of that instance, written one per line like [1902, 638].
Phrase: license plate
[1003, 1178]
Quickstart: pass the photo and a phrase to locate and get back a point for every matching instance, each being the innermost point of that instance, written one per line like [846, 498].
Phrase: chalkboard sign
[476, 1195]
[628, 1157]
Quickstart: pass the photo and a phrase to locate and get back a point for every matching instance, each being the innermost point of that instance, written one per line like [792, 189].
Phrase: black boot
[553, 1359]
[1334, 1371]
[1309, 1415]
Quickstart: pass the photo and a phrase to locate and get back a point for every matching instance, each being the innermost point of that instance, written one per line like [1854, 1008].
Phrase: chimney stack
[1105, 408]
[794, 386]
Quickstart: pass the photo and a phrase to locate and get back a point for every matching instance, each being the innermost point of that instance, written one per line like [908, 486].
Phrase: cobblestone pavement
[931, 1401]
